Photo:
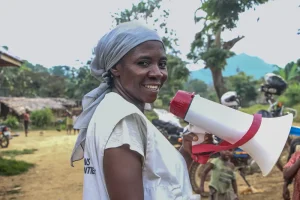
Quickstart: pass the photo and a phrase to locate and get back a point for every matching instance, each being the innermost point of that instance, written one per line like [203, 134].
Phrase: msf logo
[88, 169]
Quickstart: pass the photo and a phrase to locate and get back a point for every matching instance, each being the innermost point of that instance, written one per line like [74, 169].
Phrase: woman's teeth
[152, 87]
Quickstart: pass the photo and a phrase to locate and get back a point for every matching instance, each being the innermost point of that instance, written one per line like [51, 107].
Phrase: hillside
[251, 65]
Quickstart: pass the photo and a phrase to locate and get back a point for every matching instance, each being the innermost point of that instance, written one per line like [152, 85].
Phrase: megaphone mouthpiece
[180, 104]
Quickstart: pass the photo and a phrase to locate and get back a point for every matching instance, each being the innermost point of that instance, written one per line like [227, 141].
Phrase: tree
[177, 75]
[197, 86]
[208, 45]
[245, 86]
[290, 72]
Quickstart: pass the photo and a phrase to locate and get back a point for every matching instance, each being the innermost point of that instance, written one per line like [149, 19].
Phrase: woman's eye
[163, 65]
[144, 63]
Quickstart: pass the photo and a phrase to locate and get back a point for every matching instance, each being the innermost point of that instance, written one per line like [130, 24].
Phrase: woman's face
[142, 72]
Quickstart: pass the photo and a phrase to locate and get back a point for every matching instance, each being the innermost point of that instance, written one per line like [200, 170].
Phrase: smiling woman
[125, 156]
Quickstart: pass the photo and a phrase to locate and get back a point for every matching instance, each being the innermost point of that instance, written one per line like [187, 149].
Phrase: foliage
[197, 86]
[226, 13]
[208, 45]
[290, 72]
[12, 122]
[245, 86]
[42, 118]
[293, 94]
[177, 76]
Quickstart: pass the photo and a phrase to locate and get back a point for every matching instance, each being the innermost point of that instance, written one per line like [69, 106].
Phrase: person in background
[69, 123]
[222, 184]
[26, 117]
[291, 171]
[74, 117]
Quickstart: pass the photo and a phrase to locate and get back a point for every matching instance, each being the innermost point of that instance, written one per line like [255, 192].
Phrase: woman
[291, 171]
[125, 157]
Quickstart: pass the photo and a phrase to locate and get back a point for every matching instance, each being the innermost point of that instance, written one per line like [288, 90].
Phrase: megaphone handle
[204, 148]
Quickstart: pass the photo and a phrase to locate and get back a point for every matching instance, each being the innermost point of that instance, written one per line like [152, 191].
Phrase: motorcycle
[169, 126]
[5, 136]
[171, 132]
[275, 85]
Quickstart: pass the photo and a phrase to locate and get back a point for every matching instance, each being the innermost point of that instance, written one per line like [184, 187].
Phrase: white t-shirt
[128, 132]
[165, 175]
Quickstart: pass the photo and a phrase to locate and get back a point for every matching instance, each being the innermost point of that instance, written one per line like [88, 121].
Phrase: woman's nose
[155, 72]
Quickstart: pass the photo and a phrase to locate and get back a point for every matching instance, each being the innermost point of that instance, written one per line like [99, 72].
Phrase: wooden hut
[7, 59]
[17, 105]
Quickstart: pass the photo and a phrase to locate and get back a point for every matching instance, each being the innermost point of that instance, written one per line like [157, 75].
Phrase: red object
[202, 152]
[180, 103]
[291, 162]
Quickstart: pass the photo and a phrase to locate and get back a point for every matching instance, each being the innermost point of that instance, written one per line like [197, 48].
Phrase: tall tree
[208, 45]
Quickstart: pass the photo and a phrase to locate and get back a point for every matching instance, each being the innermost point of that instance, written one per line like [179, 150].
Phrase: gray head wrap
[110, 49]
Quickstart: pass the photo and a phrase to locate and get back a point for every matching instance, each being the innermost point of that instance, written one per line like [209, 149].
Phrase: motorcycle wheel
[4, 141]
[195, 173]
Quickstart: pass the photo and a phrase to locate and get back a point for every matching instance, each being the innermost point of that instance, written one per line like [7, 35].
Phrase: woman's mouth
[154, 88]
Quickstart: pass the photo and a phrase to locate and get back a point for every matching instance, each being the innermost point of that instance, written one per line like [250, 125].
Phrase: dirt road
[54, 179]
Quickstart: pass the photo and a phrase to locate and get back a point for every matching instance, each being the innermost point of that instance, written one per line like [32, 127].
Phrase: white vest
[165, 175]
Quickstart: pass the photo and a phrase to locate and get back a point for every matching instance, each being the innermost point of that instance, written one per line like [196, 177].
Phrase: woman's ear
[115, 70]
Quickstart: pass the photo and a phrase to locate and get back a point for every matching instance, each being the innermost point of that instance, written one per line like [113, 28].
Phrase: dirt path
[54, 179]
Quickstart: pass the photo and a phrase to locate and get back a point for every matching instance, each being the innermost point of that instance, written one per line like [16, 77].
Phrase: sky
[64, 32]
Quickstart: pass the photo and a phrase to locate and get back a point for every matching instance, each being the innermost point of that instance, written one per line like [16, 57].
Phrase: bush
[42, 118]
[12, 122]
[293, 94]
[297, 107]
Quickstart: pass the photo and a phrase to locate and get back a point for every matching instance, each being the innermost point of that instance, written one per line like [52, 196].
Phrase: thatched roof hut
[7, 59]
[18, 105]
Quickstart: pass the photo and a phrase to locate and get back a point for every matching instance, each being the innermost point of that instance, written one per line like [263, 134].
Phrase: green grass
[11, 167]
[14, 153]
[253, 109]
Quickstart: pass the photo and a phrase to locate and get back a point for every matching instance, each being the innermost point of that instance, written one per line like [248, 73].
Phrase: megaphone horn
[262, 138]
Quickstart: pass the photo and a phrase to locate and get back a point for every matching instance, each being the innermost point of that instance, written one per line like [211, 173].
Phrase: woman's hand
[187, 142]
[192, 137]
[286, 192]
